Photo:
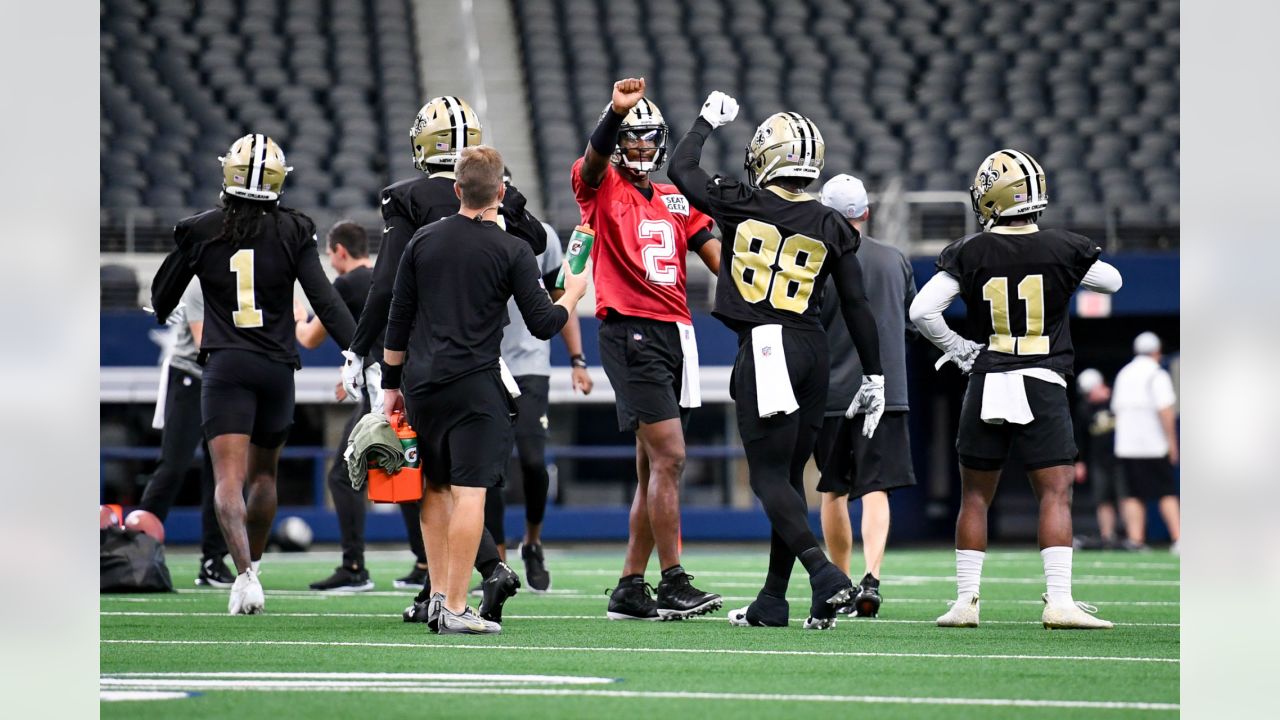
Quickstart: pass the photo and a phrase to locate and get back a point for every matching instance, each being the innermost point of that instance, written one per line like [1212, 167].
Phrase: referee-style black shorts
[465, 430]
[643, 361]
[1046, 441]
[247, 393]
[1148, 478]
[854, 465]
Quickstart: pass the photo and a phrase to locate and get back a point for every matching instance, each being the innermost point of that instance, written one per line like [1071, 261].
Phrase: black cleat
[214, 573]
[631, 600]
[535, 568]
[426, 611]
[766, 611]
[416, 578]
[678, 599]
[831, 589]
[496, 588]
[345, 579]
[867, 602]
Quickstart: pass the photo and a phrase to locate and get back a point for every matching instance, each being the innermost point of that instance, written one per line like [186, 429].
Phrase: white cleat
[466, 623]
[962, 614]
[738, 618]
[247, 597]
[1077, 616]
[813, 623]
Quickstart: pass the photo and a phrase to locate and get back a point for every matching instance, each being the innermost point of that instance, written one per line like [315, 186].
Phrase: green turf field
[316, 655]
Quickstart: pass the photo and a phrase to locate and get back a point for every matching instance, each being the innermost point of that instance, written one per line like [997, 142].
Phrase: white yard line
[679, 651]
[571, 595]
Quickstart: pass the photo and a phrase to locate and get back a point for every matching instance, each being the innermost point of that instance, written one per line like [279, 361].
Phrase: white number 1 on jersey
[659, 258]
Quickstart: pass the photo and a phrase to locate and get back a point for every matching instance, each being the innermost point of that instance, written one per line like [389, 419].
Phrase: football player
[1016, 281]
[643, 231]
[248, 252]
[781, 245]
[442, 128]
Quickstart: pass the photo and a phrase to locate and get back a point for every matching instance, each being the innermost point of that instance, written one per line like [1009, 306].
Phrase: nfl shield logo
[767, 350]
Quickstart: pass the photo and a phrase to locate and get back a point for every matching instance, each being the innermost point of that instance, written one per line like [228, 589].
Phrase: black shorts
[855, 465]
[1148, 478]
[808, 365]
[643, 361]
[531, 407]
[1046, 441]
[465, 430]
[247, 393]
[1106, 480]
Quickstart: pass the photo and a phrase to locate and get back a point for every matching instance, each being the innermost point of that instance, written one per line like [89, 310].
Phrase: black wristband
[391, 376]
[578, 361]
[605, 137]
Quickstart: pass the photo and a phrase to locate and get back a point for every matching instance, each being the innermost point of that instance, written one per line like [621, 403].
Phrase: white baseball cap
[1088, 379]
[846, 195]
[1146, 343]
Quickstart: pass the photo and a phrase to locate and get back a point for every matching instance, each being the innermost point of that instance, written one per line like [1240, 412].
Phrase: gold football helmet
[254, 169]
[787, 144]
[643, 124]
[1009, 183]
[443, 127]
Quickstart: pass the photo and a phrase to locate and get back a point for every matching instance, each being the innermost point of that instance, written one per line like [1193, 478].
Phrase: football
[146, 523]
[293, 534]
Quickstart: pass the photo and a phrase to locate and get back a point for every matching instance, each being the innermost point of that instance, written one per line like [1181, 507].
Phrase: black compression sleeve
[857, 313]
[605, 137]
[685, 172]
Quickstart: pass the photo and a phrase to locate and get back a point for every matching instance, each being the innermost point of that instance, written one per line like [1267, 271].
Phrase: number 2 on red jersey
[660, 265]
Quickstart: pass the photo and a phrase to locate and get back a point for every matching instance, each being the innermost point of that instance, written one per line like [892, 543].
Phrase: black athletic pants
[531, 450]
[182, 433]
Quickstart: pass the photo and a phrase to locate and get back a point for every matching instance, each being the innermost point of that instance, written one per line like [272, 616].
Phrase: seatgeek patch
[676, 204]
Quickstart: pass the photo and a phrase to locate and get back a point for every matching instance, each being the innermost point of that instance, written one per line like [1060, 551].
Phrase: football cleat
[1076, 616]
[535, 567]
[346, 580]
[495, 590]
[415, 580]
[442, 128]
[214, 573]
[963, 613]
[466, 623]
[766, 611]
[247, 597]
[631, 600]
[867, 602]
[425, 611]
[786, 144]
[642, 128]
[678, 599]
[1009, 183]
[813, 623]
[254, 169]
[831, 589]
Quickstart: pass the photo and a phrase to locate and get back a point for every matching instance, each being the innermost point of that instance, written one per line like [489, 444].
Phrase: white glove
[963, 353]
[719, 109]
[373, 385]
[353, 376]
[870, 400]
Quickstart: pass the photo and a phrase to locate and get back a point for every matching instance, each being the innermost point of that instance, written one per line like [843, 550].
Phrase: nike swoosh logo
[386, 200]
[386, 230]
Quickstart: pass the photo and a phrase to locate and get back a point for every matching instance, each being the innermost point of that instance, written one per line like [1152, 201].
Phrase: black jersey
[248, 288]
[778, 249]
[407, 206]
[1017, 286]
[353, 287]
[451, 295]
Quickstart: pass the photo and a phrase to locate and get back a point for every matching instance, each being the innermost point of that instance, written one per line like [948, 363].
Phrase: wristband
[391, 376]
[578, 361]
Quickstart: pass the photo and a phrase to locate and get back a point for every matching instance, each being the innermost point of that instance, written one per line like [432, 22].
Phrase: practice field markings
[448, 683]
[679, 651]
[122, 613]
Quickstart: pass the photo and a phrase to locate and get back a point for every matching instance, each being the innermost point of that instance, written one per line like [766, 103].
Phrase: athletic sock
[254, 565]
[870, 581]
[813, 560]
[968, 572]
[625, 579]
[1057, 574]
[673, 572]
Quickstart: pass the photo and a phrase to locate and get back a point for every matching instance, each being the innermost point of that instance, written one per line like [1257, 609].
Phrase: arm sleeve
[926, 310]
[700, 238]
[173, 277]
[1102, 277]
[684, 170]
[326, 301]
[403, 306]
[543, 317]
[857, 312]
[396, 233]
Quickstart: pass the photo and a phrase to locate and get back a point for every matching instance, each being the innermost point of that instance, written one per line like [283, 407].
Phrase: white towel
[773, 383]
[157, 420]
[508, 380]
[1004, 399]
[690, 384]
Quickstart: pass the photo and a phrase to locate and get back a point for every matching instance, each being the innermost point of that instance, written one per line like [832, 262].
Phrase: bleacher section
[921, 89]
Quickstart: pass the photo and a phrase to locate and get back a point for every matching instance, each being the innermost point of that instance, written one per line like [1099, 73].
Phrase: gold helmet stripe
[1029, 169]
[258, 149]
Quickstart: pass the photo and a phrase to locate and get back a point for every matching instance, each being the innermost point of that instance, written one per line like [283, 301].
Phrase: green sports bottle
[578, 253]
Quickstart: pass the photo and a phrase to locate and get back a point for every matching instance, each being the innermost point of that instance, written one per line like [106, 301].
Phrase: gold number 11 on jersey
[1030, 291]
[248, 316]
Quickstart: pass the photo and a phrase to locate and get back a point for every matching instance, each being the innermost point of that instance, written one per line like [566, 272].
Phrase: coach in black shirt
[451, 295]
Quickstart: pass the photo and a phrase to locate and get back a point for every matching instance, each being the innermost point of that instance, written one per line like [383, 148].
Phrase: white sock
[253, 564]
[968, 573]
[1057, 574]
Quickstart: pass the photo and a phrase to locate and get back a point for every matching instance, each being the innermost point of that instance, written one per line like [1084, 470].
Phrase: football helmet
[644, 122]
[443, 127]
[786, 144]
[1009, 183]
[254, 169]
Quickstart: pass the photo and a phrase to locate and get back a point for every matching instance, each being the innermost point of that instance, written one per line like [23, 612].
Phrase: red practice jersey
[640, 246]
